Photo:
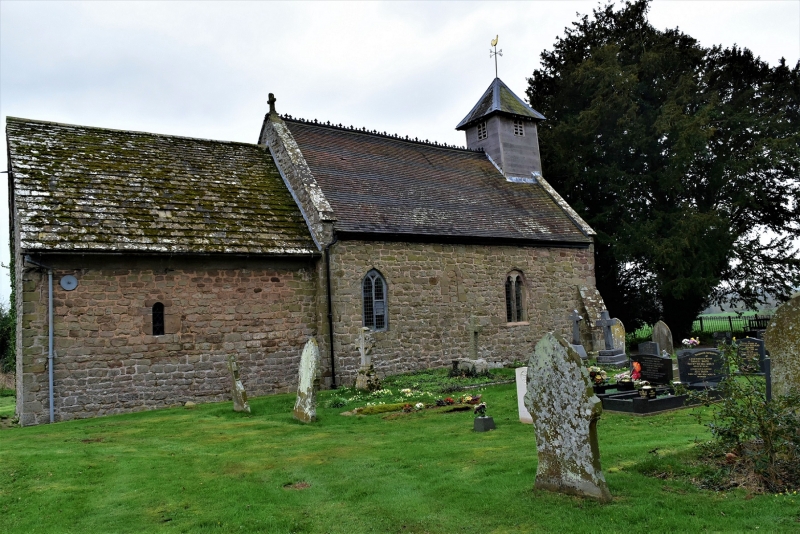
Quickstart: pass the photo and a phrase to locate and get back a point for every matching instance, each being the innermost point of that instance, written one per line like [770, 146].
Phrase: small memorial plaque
[655, 369]
[751, 355]
[701, 367]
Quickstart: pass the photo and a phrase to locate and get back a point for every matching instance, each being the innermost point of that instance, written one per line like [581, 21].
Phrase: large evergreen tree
[684, 160]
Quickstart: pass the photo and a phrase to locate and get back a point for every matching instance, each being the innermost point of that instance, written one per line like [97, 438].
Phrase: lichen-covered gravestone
[565, 410]
[618, 335]
[663, 336]
[366, 379]
[237, 389]
[782, 340]
[305, 409]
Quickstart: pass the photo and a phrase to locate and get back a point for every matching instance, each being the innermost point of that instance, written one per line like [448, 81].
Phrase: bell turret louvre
[504, 126]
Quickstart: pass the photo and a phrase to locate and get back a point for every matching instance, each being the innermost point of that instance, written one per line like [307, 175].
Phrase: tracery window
[515, 298]
[519, 128]
[158, 319]
[374, 300]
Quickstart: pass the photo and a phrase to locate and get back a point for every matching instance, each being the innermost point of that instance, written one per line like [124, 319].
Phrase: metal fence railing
[730, 323]
[719, 323]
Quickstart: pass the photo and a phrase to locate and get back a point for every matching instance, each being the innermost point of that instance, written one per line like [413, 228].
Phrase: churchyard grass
[209, 469]
[7, 404]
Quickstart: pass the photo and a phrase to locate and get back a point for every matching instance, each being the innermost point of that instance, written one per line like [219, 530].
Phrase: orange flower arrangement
[636, 374]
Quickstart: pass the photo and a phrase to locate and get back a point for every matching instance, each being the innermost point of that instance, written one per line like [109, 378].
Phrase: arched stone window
[158, 319]
[374, 300]
[515, 297]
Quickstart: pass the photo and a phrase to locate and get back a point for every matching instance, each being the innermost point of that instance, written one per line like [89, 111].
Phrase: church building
[141, 261]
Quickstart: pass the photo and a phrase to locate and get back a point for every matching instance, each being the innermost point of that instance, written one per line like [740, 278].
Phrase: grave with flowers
[645, 388]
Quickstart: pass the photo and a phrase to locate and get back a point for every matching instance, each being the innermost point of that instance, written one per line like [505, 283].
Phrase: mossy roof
[499, 99]
[381, 185]
[79, 188]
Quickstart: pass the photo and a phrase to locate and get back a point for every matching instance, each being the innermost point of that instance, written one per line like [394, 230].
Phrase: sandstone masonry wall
[109, 362]
[437, 295]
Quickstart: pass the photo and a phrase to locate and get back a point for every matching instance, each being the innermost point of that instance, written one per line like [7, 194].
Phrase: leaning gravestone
[654, 369]
[701, 368]
[237, 390]
[751, 354]
[565, 410]
[305, 409]
[663, 336]
[782, 340]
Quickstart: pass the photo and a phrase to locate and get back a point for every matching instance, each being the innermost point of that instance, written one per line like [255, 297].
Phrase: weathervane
[494, 53]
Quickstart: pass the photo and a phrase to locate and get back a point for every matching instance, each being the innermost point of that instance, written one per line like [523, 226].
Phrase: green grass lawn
[212, 470]
[7, 405]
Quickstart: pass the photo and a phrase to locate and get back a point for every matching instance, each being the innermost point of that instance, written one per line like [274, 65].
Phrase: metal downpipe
[330, 309]
[50, 329]
[50, 337]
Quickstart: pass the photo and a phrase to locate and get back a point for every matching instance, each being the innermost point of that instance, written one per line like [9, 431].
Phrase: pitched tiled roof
[78, 188]
[383, 185]
[498, 98]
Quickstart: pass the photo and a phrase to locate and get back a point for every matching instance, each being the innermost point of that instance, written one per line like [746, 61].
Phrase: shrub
[336, 402]
[756, 442]
[7, 339]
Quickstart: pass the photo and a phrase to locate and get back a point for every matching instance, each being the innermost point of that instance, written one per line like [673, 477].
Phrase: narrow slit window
[158, 319]
[369, 308]
[519, 128]
[509, 301]
[515, 298]
[374, 295]
[482, 131]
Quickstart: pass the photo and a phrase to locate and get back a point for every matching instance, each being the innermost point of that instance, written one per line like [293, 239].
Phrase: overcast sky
[204, 69]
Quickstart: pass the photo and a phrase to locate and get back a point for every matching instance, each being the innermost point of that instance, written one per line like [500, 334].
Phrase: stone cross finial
[606, 321]
[576, 327]
[271, 103]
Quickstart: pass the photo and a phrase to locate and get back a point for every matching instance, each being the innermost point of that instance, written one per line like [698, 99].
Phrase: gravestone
[654, 369]
[650, 348]
[522, 385]
[663, 336]
[782, 340]
[475, 329]
[751, 353]
[237, 388]
[701, 368]
[305, 409]
[565, 410]
[610, 355]
[366, 379]
[618, 335]
[576, 319]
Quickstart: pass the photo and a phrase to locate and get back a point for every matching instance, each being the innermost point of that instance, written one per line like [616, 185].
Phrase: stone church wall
[438, 295]
[107, 360]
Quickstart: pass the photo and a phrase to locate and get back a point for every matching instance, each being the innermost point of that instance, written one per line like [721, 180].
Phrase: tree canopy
[684, 159]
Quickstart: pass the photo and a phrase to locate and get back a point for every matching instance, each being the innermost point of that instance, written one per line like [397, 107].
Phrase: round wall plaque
[69, 282]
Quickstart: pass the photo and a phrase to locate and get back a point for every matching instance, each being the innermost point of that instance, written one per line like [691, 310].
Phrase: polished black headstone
[649, 347]
[655, 369]
[704, 367]
[751, 354]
